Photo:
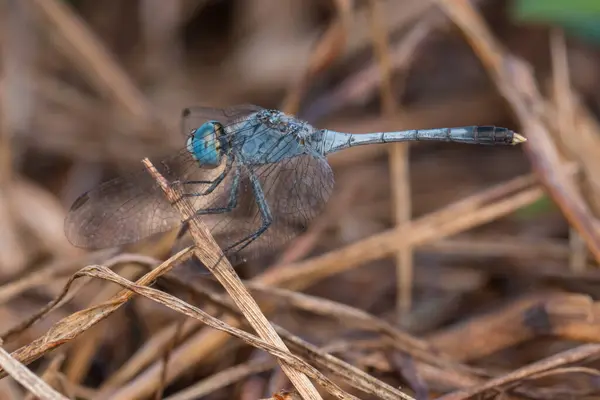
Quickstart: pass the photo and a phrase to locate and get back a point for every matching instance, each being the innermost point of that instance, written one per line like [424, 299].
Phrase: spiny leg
[232, 199]
[231, 205]
[219, 210]
[265, 212]
[214, 183]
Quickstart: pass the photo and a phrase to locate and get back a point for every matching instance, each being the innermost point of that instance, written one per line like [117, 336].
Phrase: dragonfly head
[204, 144]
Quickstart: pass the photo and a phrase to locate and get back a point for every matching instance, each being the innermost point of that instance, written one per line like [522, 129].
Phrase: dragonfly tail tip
[518, 138]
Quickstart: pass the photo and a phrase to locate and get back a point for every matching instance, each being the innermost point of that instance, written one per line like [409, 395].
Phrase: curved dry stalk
[321, 357]
[75, 324]
[211, 255]
[289, 359]
[63, 298]
[580, 353]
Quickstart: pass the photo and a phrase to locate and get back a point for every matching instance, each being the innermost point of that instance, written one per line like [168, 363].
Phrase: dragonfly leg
[214, 183]
[232, 199]
[265, 212]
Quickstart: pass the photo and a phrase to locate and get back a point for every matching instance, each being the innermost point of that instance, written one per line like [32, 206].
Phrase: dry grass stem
[210, 254]
[28, 379]
[184, 308]
[398, 159]
[558, 360]
[351, 375]
[77, 323]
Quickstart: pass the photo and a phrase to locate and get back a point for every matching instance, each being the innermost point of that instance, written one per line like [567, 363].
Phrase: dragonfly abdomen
[490, 135]
[331, 141]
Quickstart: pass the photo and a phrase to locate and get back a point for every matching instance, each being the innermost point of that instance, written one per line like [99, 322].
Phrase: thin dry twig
[398, 160]
[406, 366]
[61, 269]
[27, 378]
[166, 357]
[210, 254]
[75, 324]
[561, 314]
[351, 316]
[563, 98]
[65, 297]
[80, 361]
[578, 354]
[352, 375]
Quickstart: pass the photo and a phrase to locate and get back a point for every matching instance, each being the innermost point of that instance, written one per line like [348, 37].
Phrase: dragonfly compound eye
[203, 144]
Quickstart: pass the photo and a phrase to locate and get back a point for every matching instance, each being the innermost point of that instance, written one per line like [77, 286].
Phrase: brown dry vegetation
[437, 270]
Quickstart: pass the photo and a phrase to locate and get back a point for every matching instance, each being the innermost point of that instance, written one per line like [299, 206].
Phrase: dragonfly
[255, 176]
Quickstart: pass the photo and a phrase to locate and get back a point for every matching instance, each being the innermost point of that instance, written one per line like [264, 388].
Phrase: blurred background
[486, 254]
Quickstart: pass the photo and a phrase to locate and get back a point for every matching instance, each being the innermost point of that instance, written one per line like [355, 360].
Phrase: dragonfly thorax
[286, 124]
[205, 144]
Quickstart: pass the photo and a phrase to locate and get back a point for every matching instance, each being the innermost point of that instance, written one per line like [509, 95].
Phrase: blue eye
[204, 144]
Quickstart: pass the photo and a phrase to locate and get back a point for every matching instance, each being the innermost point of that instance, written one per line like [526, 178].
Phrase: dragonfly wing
[120, 211]
[296, 190]
[130, 207]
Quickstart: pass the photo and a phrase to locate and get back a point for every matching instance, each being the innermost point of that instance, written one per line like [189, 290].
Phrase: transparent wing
[295, 190]
[125, 209]
[131, 207]
[193, 117]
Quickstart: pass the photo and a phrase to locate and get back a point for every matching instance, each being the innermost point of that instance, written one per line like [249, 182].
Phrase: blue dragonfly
[255, 176]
